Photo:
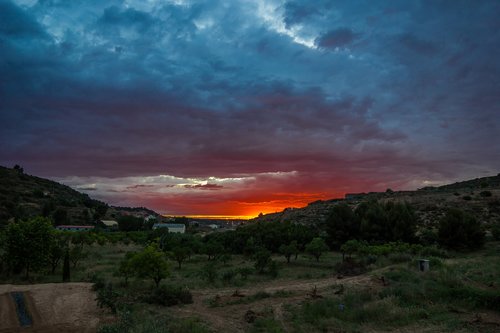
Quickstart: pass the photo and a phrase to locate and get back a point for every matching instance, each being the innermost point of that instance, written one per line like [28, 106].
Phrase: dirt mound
[54, 307]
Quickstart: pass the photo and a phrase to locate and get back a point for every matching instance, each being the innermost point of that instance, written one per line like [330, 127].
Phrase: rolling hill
[23, 196]
[480, 197]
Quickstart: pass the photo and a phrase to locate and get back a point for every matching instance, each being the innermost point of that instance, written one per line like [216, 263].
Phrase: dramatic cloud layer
[238, 107]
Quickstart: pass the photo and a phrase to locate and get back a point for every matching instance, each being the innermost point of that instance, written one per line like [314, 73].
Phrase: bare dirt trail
[230, 317]
[54, 307]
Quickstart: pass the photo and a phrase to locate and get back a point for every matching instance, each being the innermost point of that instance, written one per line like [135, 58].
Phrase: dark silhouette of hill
[480, 197]
[23, 196]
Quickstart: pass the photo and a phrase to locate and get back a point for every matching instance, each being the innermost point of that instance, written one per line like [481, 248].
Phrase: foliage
[180, 254]
[459, 230]
[262, 260]
[342, 225]
[56, 251]
[76, 253]
[495, 231]
[145, 322]
[209, 272]
[66, 268]
[371, 221]
[126, 268]
[316, 247]
[107, 296]
[130, 223]
[485, 194]
[28, 244]
[289, 250]
[428, 237]
[168, 296]
[151, 263]
[213, 249]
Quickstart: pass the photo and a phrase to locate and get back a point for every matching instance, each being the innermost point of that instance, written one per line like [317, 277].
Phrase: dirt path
[230, 318]
[54, 307]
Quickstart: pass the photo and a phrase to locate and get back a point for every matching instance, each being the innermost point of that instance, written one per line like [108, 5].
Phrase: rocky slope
[480, 197]
[24, 196]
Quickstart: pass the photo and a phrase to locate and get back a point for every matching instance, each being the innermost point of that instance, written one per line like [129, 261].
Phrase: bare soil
[54, 307]
[231, 317]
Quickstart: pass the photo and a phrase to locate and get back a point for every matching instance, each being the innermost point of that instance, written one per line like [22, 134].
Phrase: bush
[228, 276]
[107, 297]
[168, 296]
[485, 194]
[245, 272]
[467, 197]
[495, 231]
[209, 273]
[458, 230]
[399, 257]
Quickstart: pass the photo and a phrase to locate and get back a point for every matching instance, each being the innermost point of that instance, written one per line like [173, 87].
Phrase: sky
[241, 107]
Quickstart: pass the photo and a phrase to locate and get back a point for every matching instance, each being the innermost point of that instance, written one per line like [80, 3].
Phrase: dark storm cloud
[387, 92]
[336, 38]
[15, 23]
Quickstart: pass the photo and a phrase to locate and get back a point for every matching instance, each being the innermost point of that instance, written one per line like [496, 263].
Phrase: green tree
[126, 268]
[342, 225]
[289, 250]
[76, 254]
[28, 244]
[130, 223]
[402, 221]
[459, 230]
[352, 247]
[151, 263]
[495, 231]
[209, 272]
[57, 248]
[316, 247]
[66, 267]
[180, 254]
[262, 260]
[213, 249]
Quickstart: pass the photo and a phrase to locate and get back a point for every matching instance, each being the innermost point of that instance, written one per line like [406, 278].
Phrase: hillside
[23, 195]
[480, 197]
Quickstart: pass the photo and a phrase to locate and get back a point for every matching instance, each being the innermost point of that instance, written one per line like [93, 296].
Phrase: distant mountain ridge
[23, 196]
[479, 196]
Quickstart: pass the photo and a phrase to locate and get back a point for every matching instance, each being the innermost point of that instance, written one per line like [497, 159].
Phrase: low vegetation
[359, 268]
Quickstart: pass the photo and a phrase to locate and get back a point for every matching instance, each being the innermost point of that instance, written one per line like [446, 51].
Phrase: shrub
[458, 230]
[228, 276]
[485, 194]
[467, 197]
[168, 296]
[209, 273]
[399, 257]
[245, 272]
[107, 297]
[495, 231]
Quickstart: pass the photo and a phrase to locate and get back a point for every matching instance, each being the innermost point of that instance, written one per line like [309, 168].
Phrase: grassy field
[459, 294]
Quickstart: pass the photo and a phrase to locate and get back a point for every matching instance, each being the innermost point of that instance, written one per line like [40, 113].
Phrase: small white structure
[110, 223]
[172, 227]
[214, 226]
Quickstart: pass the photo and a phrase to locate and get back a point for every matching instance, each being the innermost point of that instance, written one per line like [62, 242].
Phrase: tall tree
[151, 263]
[342, 225]
[459, 230]
[28, 244]
[316, 247]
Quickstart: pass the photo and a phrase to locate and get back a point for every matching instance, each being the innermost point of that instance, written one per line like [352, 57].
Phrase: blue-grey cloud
[336, 38]
[393, 91]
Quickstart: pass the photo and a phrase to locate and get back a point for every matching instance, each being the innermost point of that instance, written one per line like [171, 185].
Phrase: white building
[172, 227]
